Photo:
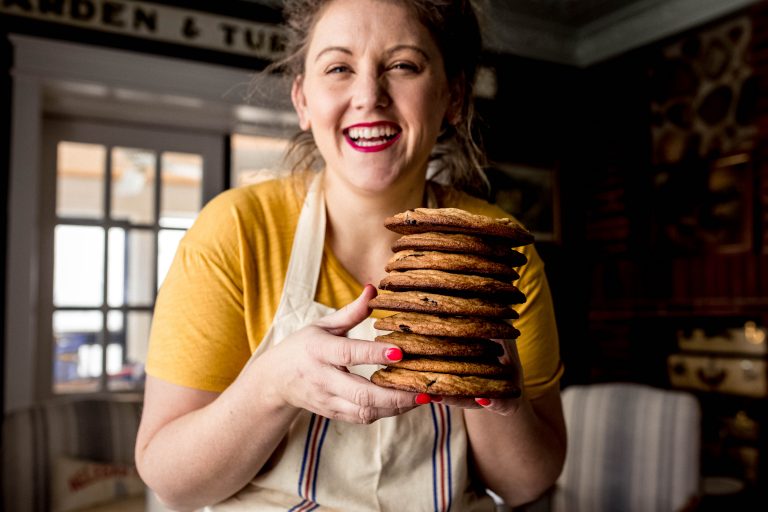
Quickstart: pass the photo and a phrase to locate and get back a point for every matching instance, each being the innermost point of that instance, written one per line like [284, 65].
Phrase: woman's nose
[370, 92]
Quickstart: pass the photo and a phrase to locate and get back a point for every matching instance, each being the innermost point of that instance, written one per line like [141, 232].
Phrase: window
[122, 199]
[256, 158]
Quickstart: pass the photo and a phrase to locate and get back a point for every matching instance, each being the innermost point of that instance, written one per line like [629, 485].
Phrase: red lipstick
[372, 137]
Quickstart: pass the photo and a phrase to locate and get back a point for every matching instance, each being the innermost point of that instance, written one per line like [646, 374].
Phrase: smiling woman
[258, 393]
[393, 77]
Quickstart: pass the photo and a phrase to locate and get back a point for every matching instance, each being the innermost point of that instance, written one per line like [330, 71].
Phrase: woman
[256, 397]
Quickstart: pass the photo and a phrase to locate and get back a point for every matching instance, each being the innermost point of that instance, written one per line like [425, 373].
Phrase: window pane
[182, 188]
[256, 159]
[133, 185]
[127, 349]
[116, 267]
[77, 351]
[168, 241]
[78, 273]
[140, 254]
[80, 180]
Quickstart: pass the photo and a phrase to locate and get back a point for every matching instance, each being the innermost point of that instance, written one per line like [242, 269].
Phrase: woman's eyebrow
[389, 52]
[403, 47]
[332, 49]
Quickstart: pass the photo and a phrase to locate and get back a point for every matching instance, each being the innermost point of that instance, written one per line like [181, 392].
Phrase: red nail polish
[423, 399]
[394, 354]
[483, 401]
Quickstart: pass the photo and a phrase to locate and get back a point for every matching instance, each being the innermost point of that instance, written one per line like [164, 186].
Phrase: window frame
[109, 135]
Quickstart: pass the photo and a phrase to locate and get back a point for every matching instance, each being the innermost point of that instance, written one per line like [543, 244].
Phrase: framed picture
[727, 214]
[530, 194]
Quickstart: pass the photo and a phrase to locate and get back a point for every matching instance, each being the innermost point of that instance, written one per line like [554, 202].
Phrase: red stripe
[312, 454]
[309, 504]
[442, 456]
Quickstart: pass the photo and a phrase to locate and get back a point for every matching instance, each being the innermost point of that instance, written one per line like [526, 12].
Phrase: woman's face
[374, 93]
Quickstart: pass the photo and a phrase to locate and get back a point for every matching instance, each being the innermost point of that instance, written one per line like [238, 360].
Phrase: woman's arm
[196, 448]
[518, 455]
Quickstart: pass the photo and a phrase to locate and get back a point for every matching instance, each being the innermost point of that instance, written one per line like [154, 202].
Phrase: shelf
[647, 308]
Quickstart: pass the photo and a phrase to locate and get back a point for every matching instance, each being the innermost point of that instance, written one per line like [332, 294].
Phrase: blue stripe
[306, 452]
[295, 507]
[314, 507]
[317, 458]
[434, 458]
[448, 464]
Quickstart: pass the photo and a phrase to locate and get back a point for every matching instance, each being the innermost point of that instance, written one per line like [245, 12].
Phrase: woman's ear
[300, 102]
[454, 112]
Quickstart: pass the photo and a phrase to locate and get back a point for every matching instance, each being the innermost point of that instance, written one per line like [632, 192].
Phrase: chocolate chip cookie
[455, 326]
[423, 302]
[416, 344]
[453, 284]
[446, 384]
[491, 247]
[454, 220]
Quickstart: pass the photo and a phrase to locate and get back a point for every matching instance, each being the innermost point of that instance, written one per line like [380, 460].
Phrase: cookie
[417, 344]
[450, 262]
[454, 220]
[491, 247]
[452, 284]
[422, 302]
[481, 367]
[445, 384]
[459, 327]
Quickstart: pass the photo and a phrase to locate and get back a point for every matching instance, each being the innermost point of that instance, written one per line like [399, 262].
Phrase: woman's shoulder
[228, 214]
[250, 198]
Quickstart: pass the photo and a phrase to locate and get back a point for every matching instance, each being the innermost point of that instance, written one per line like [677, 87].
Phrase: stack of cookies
[451, 288]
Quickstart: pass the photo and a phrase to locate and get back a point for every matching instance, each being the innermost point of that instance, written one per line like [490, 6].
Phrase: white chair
[631, 448]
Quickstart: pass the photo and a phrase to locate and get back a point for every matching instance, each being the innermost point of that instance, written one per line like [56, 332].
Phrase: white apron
[413, 462]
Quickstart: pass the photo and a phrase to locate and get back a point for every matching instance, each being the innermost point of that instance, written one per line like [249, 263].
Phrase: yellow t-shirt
[223, 288]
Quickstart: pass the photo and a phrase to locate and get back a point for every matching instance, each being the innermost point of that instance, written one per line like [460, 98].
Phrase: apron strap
[307, 252]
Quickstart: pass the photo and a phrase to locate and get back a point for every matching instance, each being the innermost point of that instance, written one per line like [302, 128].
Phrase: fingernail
[436, 398]
[394, 354]
[423, 399]
[483, 401]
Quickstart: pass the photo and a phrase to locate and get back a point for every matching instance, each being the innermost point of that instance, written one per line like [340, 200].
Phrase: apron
[416, 461]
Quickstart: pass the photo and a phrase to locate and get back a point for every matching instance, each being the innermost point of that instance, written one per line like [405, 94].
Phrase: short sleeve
[198, 337]
[538, 344]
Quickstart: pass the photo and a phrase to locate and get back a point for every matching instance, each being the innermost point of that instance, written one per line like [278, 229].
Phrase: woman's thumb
[341, 321]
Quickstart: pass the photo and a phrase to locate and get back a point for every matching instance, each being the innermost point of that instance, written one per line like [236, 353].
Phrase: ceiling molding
[636, 25]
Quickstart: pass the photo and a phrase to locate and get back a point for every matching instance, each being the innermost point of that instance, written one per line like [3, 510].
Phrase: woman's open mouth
[369, 138]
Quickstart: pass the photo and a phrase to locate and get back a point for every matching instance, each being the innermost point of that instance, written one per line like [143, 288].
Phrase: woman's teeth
[370, 136]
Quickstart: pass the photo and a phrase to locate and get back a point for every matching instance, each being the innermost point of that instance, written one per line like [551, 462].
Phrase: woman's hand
[503, 406]
[308, 369]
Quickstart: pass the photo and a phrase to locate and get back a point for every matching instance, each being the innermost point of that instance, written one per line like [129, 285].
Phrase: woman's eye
[337, 69]
[406, 66]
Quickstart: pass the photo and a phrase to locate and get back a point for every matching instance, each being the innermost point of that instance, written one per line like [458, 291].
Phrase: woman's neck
[355, 228]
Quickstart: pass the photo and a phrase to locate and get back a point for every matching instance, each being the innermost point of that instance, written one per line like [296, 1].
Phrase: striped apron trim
[442, 486]
[313, 445]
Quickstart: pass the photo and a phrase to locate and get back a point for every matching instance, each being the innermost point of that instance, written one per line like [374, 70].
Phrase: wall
[537, 119]
[663, 256]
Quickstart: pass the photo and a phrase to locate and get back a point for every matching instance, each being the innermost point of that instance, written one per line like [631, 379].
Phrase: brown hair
[457, 158]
